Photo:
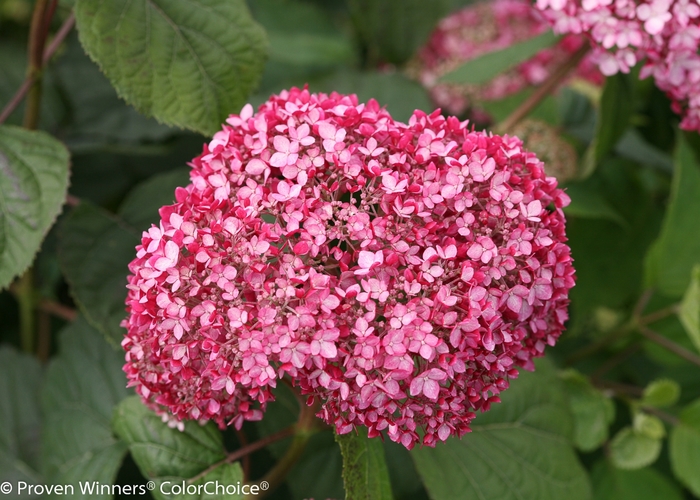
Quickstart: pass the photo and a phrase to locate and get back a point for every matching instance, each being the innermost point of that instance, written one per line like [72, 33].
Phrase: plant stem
[246, 450]
[665, 416]
[304, 429]
[27, 84]
[659, 314]
[670, 345]
[551, 83]
[37, 39]
[58, 310]
[586, 351]
[24, 292]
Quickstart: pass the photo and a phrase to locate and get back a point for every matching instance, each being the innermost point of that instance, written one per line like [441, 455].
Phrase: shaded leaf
[486, 67]
[630, 449]
[33, 185]
[189, 63]
[616, 106]
[169, 456]
[689, 312]
[140, 208]
[94, 251]
[677, 249]
[519, 449]
[98, 117]
[83, 385]
[365, 472]
[684, 448]
[20, 419]
[611, 483]
[588, 202]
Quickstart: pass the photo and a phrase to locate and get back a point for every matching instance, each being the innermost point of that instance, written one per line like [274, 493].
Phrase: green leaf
[661, 393]
[689, 312]
[588, 202]
[630, 449]
[484, 68]
[611, 483]
[519, 449]
[365, 473]
[20, 419]
[169, 456]
[140, 208]
[188, 63]
[94, 251]
[648, 425]
[677, 249]
[593, 412]
[33, 185]
[684, 448]
[400, 95]
[83, 385]
[392, 30]
[616, 106]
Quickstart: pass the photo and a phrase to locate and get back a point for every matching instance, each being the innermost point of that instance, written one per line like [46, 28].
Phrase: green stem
[24, 293]
[38, 32]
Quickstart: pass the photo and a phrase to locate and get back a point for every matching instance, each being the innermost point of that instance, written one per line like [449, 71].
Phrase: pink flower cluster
[397, 273]
[664, 33]
[486, 27]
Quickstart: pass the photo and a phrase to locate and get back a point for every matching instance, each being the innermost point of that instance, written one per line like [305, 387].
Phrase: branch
[245, 450]
[551, 83]
[676, 349]
[30, 80]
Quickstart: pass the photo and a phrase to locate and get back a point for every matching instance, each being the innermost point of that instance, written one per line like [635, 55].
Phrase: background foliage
[613, 412]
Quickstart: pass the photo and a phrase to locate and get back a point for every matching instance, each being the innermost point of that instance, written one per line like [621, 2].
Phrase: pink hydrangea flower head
[398, 273]
[486, 27]
[665, 34]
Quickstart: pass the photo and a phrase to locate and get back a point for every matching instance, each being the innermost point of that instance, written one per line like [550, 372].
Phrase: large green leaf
[611, 483]
[169, 456]
[689, 312]
[486, 67]
[189, 63]
[83, 385]
[593, 411]
[20, 421]
[365, 472]
[94, 251]
[33, 185]
[392, 30]
[519, 449]
[677, 250]
[684, 448]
